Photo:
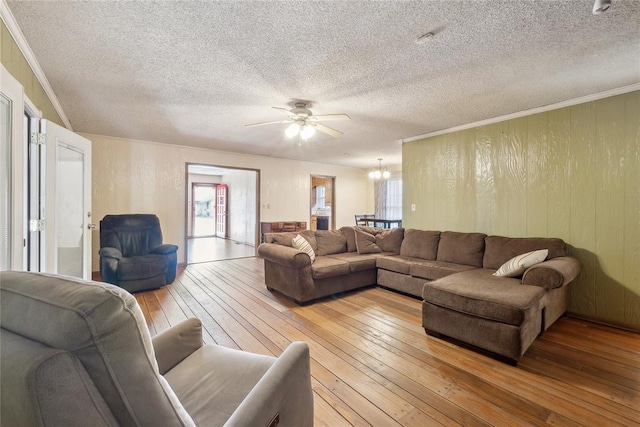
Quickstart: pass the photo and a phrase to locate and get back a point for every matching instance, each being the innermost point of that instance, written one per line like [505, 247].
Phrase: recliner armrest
[110, 252]
[176, 343]
[283, 394]
[164, 249]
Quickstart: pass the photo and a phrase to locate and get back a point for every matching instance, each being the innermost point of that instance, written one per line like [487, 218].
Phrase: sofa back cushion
[461, 248]
[499, 250]
[420, 244]
[390, 240]
[350, 235]
[330, 242]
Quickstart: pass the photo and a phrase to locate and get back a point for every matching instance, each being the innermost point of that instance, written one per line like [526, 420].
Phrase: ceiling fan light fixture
[601, 6]
[292, 130]
[307, 131]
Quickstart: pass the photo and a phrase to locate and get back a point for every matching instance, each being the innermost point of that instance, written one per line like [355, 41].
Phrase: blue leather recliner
[132, 254]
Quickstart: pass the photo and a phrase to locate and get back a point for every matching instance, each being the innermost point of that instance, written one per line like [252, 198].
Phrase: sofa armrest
[553, 273]
[176, 343]
[110, 252]
[283, 393]
[284, 255]
[164, 249]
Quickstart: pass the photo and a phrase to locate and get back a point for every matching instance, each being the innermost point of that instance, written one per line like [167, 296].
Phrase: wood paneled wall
[15, 62]
[572, 173]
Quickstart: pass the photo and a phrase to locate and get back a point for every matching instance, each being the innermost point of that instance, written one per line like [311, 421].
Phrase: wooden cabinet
[281, 227]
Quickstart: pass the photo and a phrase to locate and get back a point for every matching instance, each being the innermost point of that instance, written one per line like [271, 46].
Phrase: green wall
[572, 173]
[15, 62]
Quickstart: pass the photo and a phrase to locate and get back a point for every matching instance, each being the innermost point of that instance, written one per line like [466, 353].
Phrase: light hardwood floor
[372, 363]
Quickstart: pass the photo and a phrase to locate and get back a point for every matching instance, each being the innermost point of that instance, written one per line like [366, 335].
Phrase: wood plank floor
[372, 363]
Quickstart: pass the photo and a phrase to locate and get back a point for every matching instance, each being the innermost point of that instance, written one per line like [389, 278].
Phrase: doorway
[203, 210]
[322, 206]
[221, 212]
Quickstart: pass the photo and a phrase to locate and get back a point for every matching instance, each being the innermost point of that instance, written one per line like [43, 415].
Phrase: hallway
[204, 249]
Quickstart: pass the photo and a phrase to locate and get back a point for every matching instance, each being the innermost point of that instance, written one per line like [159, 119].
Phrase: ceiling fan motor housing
[301, 111]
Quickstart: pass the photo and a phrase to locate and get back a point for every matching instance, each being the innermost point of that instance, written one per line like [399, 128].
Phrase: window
[388, 198]
[320, 197]
[393, 204]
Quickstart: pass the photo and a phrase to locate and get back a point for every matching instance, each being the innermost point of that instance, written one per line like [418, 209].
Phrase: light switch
[413, 207]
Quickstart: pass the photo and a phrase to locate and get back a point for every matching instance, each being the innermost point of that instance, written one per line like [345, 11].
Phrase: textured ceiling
[194, 73]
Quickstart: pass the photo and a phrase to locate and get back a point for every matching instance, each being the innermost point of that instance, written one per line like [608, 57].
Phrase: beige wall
[15, 62]
[145, 177]
[572, 173]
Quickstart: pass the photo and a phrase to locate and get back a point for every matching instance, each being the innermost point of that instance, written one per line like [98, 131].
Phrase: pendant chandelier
[379, 172]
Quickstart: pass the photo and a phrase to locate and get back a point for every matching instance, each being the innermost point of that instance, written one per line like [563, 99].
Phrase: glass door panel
[67, 202]
[70, 211]
[5, 184]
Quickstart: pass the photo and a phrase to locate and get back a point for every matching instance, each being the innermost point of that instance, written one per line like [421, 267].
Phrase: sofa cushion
[479, 293]
[399, 264]
[356, 261]
[311, 238]
[518, 264]
[350, 235]
[326, 266]
[499, 250]
[366, 243]
[301, 244]
[330, 242]
[461, 248]
[420, 244]
[390, 240]
[433, 270]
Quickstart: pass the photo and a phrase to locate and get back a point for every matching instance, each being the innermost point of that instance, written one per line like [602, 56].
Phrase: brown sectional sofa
[452, 272]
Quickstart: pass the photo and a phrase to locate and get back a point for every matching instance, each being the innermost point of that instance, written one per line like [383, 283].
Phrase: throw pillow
[301, 244]
[366, 243]
[518, 264]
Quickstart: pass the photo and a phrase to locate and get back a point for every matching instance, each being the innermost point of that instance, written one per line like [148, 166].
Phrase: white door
[67, 221]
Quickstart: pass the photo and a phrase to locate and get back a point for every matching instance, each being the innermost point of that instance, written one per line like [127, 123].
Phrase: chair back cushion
[133, 235]
[103, 326]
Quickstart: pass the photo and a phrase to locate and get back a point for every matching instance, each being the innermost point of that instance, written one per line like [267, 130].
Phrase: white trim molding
[13, 27]
[545, 108]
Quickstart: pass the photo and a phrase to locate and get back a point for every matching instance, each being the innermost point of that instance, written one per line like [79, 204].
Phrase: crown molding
[15, 31]
[545, 108]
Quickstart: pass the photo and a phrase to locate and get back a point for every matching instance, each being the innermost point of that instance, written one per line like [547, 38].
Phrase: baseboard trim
[595, 319]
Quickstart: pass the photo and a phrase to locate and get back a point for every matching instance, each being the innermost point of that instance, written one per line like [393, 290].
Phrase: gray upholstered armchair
[132, 254]
[79, 353]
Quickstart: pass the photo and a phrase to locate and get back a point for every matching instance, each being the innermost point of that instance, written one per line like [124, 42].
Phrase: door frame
[186, 202]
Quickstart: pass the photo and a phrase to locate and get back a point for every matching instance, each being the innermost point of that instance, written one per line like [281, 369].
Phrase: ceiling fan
[304, 123]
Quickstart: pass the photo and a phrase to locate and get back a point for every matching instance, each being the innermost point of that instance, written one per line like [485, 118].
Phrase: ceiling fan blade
[327, 117]
[267, 123]
[327, 130]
